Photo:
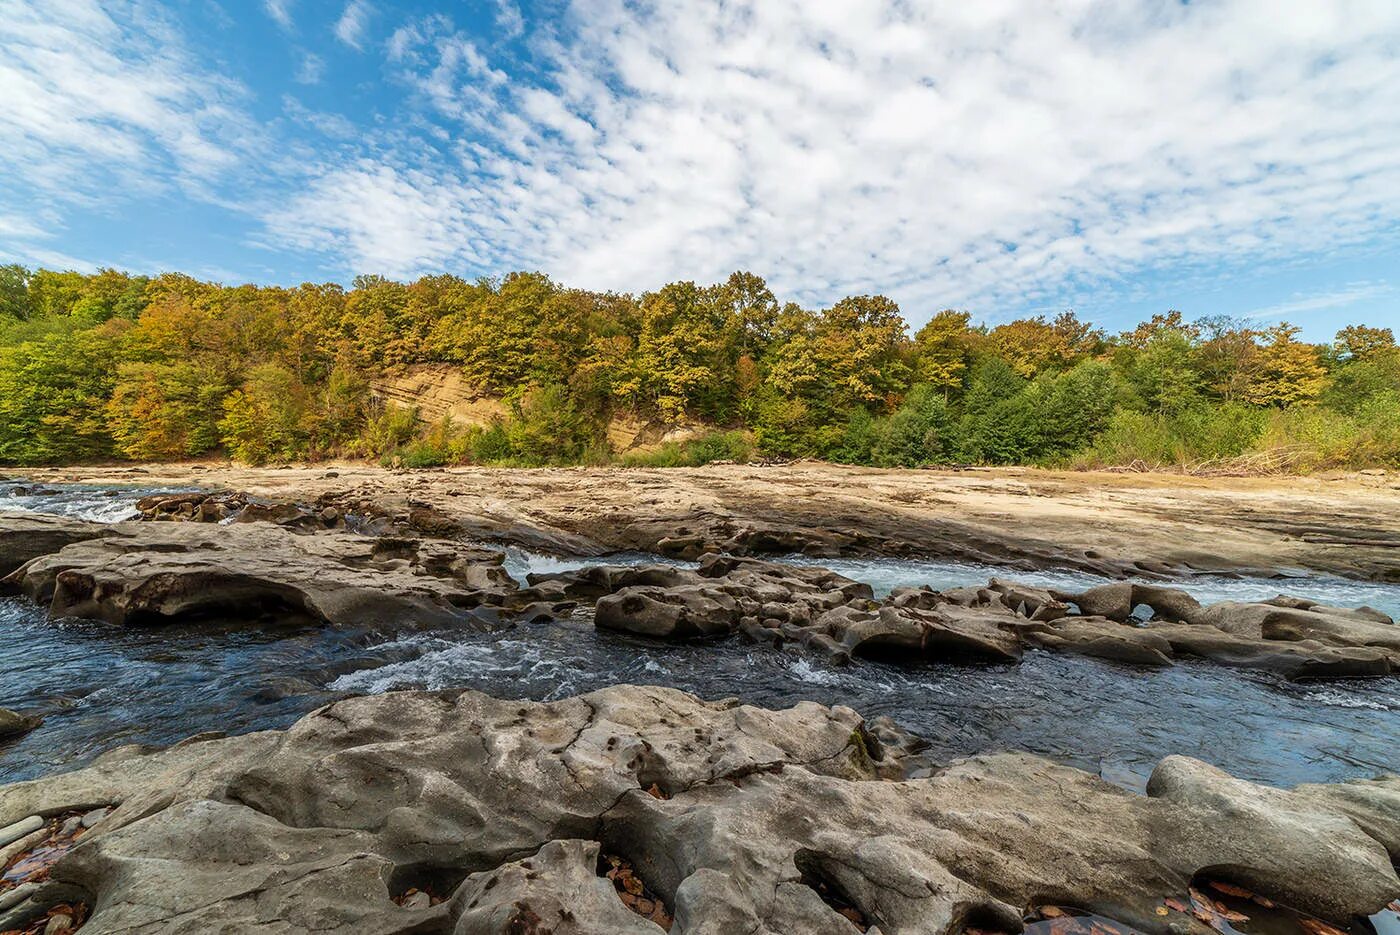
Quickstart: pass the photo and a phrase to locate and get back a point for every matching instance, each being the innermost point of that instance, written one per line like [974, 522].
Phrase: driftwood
[1281, 460]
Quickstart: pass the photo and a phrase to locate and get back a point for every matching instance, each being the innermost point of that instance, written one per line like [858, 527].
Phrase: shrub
[386, 431]
[920, 432]
[713, 446]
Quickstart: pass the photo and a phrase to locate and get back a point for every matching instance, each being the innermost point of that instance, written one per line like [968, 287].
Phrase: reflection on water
[100, 686]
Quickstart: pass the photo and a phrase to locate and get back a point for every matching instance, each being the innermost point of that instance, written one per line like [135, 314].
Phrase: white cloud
[392, 222]
[509, 19]
[1348, 295]
[353, 23]
[943, 153]
[100, 102]
[279, 10]
[312, 68]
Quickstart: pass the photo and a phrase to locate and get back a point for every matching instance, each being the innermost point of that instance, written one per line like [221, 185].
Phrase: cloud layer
[101, 103]
[972, 154]
[948, 153]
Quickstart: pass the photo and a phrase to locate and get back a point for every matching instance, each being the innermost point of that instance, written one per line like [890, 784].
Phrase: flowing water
[100, 686]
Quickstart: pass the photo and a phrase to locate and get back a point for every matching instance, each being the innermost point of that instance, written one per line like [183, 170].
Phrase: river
[100, 686]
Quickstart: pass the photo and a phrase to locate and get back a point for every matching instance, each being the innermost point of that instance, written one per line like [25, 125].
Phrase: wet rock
[13, 723]
[906, 632]
[148, 573]
[670, 613]
[781, 605]
[735, 818]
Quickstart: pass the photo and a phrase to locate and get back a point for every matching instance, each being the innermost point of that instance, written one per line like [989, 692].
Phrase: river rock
[738, 818]
[812, 607]
[26, 536]
[13, 722]
[148, 573]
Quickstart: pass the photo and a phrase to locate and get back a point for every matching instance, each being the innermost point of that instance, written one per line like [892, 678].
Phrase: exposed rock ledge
[740, 819]
[134, 573]
[145, 572]
[817, 608]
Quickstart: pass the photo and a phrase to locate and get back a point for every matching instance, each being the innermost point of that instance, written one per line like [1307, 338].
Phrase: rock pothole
[633, 890]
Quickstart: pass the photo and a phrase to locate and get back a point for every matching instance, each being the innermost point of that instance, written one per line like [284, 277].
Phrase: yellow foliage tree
[1289, 371]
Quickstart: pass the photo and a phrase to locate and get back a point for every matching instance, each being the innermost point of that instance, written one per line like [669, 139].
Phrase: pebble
[71, 826]
[59, 922]
[94, 816]
[12, 850]
[418, 900]
[20, 828]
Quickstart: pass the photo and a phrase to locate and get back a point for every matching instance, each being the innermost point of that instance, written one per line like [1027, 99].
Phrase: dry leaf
[1318, 927]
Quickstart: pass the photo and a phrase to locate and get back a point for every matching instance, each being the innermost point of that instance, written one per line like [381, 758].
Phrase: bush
[713, 446]
[386, 431]
[442, 444]
[548, 428]
[1202, 433]
[920, 432]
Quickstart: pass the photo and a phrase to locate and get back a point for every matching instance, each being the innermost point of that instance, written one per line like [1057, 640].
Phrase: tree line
[113, 365]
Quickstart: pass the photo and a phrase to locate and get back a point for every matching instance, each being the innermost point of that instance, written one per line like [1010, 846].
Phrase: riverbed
[102, 686]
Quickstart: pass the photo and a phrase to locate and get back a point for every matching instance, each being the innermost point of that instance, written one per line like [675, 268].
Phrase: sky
[1121, 158]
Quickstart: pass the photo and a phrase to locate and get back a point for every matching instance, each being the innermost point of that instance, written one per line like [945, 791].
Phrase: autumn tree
[942, 349]
[1289, 370]
[1359, 342]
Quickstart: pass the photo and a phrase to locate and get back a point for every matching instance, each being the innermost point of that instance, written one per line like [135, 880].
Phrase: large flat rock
[26, 536]
[143, 573]
[739, 819]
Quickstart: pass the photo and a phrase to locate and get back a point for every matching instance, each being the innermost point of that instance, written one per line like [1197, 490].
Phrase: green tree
[942, 349]
[15, 301]
[53, 396]
[1359, 342]
[266, 418]
[1163, 373]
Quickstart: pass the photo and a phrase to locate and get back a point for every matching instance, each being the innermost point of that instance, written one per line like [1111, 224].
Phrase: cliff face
[438, 390]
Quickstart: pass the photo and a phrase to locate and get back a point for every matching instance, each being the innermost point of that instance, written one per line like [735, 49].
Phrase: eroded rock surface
[740, 819]
[148, 573]
[26, 536]
[777, 604]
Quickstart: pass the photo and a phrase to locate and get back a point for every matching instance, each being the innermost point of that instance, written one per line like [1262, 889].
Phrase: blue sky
[1009, 158]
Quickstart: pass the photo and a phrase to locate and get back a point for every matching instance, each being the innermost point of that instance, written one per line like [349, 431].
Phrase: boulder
[13, 723]
[669, 613]
[735, 818]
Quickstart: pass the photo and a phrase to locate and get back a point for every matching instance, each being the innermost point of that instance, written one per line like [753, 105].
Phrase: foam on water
[110, 504]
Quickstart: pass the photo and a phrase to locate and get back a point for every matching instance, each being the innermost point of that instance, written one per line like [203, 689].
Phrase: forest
[117, 366]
